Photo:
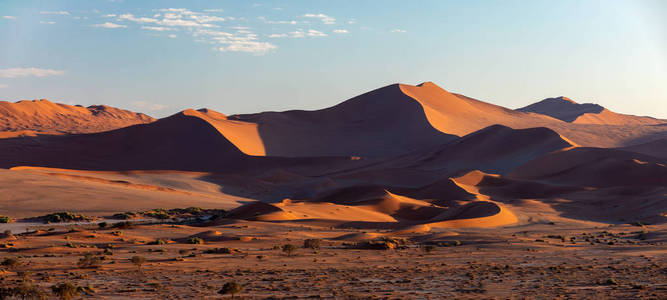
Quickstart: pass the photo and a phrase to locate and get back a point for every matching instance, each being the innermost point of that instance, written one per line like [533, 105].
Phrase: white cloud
[353, 21]
[9, 17]
[311, 32]
[47, 22]
[265, 20]
[156, 28]
[214, 10]
[341, 31]
[110, 25]
[398, 31]
[278, 35]
[28, 72]
[2, 86]
[109, 15]
[172, 36]
[325, 19]
[131, 17]
[63, 13]
[148, 105]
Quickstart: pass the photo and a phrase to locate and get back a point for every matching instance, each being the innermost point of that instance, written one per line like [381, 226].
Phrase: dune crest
[55, 118]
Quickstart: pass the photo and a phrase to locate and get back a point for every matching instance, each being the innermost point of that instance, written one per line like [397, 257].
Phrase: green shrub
[5, 219]
[65, 217]
[195, 240]
[102, 225]
[158, 242]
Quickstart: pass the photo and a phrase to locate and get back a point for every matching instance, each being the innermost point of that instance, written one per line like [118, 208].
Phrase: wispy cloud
[2, 86]
[9, 17]
[62, 12]
[397, 31]
[214, 10]
[267, 21]
[172, 36]
[299, 33]
[28, 72]
[110, 25]
[47, 22]
[156, 28]
[324, 18]
[341, 31]
[148, 106]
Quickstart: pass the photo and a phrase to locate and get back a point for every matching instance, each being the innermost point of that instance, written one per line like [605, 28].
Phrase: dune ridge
[47, 117]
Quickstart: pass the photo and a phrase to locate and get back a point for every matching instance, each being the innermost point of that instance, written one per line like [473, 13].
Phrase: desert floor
[538, 261]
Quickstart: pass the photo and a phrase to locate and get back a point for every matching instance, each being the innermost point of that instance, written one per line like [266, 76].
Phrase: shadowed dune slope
[567, 110]
[595, 167]
[495, 149]
[657, 148]
[48, 117]
[179, 142]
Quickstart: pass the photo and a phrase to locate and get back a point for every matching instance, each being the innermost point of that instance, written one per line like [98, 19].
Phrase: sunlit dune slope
[48, 117]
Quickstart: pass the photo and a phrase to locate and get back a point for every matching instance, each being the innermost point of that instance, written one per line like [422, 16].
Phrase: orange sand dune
[48, 117]
[567, 110]
[595, 167]
[382, 122]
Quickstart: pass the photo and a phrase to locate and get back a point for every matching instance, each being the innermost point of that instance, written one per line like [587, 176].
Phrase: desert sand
[411, 192]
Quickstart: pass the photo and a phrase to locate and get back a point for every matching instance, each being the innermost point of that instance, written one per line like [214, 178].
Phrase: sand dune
[567, 110]
[382, 122]
[595, 167]
[400, 157]
[48, 117]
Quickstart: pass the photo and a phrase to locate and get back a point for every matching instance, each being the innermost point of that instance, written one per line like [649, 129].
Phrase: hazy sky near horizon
[160, 57]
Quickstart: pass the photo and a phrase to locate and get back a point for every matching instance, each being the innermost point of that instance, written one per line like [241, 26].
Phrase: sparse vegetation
[90, 261]
[289, 249]
[158, 241]
[102, 225]
[195, 240]
[383, 243]
[231, 288]
[11, 262]
[428, 248]
[64, 217]
[223, 250]
[138, 261]
[5, 219]
[312, 243]
[65, 291]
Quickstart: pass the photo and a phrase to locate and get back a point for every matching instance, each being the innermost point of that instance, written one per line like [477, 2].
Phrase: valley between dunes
[400, 167]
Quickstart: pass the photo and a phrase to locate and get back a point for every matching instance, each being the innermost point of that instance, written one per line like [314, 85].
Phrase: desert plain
[404, 192]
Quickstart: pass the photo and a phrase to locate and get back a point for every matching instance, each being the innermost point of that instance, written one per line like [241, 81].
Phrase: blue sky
[160, 57]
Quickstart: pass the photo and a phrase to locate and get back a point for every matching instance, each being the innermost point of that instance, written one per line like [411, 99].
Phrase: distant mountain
[565, 109]
[44, 116]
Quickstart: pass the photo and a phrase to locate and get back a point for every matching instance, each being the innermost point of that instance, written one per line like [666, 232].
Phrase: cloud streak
[324, 18]
[28, 72]
[62, 13]
[110, 25]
